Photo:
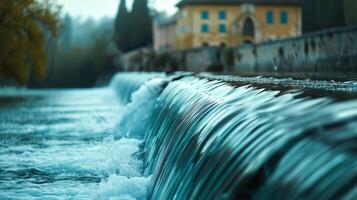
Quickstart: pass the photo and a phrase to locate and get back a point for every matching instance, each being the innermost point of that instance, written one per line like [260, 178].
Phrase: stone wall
[327, 54]
[195, 60]
[331, 54]
[198, 60]
[137, 60]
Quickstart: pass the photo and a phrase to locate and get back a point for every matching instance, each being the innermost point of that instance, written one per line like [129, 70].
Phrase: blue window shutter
[204, 15]
[283, 17]
[222, 28]
[222, 15]
[204, 28]
[270, 17]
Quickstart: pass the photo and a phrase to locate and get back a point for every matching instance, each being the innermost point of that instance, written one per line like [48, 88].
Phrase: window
[222, 15]
[222, 28]
[204, 15]
[283, 17]
[183, 29]
[204, 28]
[270, 17]
[184, 14]
[248, 28]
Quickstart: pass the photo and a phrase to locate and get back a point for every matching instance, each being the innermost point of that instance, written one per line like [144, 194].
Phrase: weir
[206, 138]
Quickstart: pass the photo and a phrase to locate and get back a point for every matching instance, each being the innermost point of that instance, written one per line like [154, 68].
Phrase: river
[63, 144]
[181, 136]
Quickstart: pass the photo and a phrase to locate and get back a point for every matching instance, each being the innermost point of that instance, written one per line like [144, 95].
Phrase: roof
[163, 21]
[168, 22]
[233, 2]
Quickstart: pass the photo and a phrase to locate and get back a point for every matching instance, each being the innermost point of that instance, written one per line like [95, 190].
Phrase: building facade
[235, 22]
[164, 33]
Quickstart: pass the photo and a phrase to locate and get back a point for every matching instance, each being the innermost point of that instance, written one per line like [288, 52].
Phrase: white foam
[86, 169]
[128, 182]
[115, 159]
[122, 187]
[133, 121]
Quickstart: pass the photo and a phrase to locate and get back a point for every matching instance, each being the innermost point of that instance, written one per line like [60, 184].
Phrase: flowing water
[64, 145]
[179, 137]
[211, 140]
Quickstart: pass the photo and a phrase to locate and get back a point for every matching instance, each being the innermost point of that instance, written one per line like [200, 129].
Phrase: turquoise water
[66, 145]
[180, 137]
[210, 139]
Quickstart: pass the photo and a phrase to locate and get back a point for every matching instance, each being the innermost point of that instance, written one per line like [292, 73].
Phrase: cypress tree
[140, 25]
[121, 28]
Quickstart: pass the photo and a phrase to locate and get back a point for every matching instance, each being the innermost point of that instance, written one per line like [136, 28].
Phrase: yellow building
[235, 22]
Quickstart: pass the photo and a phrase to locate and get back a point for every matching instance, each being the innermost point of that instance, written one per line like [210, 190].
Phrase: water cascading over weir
[209, 138]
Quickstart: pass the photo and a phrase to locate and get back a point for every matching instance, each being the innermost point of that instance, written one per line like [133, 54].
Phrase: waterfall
[211, 139]
[127, 83]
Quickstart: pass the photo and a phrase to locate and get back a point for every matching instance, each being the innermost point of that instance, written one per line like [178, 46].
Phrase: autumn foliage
[24, 25]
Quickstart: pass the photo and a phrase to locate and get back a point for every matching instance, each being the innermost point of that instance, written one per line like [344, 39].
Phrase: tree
[133, 30]
[66, 32]
[350, 12]
[140, 25]
[322, 14]
[23, 25]
[121, 28]
[330, 14]
[89, 58]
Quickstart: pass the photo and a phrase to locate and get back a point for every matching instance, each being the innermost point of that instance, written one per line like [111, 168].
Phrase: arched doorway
[248, 31]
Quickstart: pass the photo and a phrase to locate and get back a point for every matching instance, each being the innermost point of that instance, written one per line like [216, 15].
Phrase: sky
[98, 9]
